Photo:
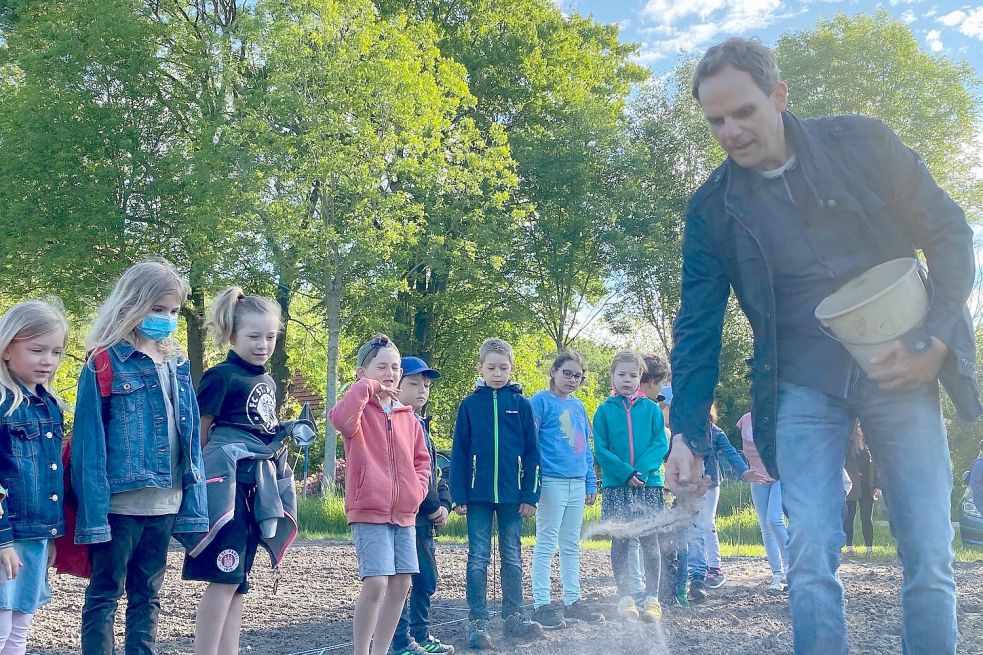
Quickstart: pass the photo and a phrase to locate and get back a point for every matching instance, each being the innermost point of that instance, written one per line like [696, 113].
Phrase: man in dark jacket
[798, 209]
[413, 631]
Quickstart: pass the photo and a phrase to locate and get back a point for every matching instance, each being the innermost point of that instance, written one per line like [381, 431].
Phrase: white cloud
[969, 24]
[973, 25]
[953, 18]
[908, 17]
[708, 19]
[934, 40]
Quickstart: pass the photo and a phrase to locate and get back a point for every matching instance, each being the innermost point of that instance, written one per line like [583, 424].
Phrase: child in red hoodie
[387, 477]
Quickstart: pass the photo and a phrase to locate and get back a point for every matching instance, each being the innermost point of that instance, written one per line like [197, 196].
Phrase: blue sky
[664, 27]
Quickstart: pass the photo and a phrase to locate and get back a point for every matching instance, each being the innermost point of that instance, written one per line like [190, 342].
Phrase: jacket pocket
[360, 482]
[25, 440]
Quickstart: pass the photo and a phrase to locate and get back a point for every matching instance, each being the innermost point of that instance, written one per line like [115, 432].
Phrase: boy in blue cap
[413, 632]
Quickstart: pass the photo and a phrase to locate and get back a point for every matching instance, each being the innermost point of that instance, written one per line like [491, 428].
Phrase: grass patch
[737, 528]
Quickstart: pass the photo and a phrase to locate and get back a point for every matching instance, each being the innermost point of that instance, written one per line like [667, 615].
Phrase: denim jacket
[852, 164]
[30, 468]
[128, 449]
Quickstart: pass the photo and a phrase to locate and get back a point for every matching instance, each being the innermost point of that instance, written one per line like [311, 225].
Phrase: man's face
[746, 122]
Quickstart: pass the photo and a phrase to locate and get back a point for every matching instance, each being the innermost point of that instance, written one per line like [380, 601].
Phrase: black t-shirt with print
[241, 395]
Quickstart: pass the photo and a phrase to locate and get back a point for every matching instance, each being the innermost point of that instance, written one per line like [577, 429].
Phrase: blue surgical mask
[157, 327]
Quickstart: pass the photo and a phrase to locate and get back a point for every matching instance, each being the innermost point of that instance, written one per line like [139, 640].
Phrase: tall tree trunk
[194, 316]
[332, 318]
[279, 365]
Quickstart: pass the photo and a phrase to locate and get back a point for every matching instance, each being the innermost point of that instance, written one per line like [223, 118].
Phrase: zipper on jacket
[474, 469]
[535, 481]
[519, 459]
[495, 413]
[631, 435]
[392, 461]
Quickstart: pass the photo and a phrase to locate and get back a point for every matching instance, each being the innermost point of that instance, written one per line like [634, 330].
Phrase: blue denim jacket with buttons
[30, 468]
[120, 443]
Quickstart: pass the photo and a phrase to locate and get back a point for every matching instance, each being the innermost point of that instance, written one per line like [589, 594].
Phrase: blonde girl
[136, 456]
[237, 399]
[33, 335]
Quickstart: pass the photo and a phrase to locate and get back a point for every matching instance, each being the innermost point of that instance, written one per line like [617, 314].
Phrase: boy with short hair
[630, 444]
[413, 631]
[495, 473]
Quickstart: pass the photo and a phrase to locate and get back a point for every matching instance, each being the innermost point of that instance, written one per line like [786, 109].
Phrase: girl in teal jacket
[630, 444]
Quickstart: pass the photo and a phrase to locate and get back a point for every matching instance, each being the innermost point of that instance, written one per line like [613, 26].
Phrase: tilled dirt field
[312, 610]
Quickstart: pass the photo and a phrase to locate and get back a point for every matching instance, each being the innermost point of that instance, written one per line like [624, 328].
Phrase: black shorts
[228, 559]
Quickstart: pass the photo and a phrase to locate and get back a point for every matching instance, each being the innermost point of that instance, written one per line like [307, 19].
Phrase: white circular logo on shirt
[227, 561]
[261, 407]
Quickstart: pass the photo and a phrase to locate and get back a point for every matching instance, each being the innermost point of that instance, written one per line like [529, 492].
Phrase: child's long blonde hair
[25, 320]
[228, 308]
[134, 295]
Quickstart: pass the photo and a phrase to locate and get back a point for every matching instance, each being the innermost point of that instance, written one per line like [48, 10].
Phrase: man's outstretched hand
[683, 468]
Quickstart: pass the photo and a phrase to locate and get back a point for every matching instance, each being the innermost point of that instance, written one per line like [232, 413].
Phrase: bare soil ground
[312, 610]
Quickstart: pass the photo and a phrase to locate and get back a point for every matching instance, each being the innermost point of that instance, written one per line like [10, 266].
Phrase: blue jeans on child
[767, 499]
[414, 624]
[704, 547]
[907, 440]
[480, 517]
[559, 517]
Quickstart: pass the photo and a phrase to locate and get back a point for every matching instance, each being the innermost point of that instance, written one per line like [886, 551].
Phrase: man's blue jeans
[907, 440]
[414, 624]
[479, 555]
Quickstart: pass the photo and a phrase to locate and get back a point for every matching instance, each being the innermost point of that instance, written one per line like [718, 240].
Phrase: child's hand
[526, 510]
[9, 563]
[754, 477]
[392, 393]
[877, 494]
[439, 517]
[461, 510]
[590, 499]
[633, 481]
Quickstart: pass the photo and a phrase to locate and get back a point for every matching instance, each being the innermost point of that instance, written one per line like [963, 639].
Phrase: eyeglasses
[570, 375]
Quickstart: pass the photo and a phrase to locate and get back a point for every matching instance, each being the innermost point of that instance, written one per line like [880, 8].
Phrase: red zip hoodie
[387, 466]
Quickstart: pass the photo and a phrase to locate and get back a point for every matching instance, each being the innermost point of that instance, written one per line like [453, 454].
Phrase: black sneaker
[581, 611]
[434, 646]
[549, 616]
[519, 627]
[697, 591]
[411, 648]
[715, 579]
[478, 637]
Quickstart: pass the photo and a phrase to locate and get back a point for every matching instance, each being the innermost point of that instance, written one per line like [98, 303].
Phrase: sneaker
[681, 599]
[715, 579]
[433, 645]
[581, 612]
[519, 627]
[411, 648]
[653, 610]
[869, 550]
[478, 636]
[627, 609]
[549, 616]
[697, 591]
[777, 585]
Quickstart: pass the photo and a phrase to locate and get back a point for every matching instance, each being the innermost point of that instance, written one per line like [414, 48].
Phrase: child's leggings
[13, 632]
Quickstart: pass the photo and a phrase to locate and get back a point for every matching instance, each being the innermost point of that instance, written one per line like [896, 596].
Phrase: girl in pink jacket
[387, 476]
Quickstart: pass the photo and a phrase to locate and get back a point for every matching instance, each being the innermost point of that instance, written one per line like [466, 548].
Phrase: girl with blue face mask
[136, 455]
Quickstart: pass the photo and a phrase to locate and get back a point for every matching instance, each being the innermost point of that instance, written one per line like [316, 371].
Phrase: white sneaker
[777, 585]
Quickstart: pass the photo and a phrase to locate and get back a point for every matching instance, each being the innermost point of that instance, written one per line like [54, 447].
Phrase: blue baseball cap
[416, 366]
[665, 396]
